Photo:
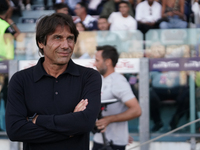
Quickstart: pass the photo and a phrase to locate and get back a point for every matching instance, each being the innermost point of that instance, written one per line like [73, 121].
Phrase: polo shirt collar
[39, 72]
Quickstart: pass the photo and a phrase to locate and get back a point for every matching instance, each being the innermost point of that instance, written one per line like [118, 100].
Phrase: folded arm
[50, 128]
[77, 122]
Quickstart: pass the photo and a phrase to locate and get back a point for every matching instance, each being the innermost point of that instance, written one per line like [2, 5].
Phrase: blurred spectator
[173, 14]
[122, 20]
[89, 21]
[103, 23]
[85, 44]
[106, 37]
[80, 27]
[167, 86]
[61, 8]
[7, 25]
[46, 3]
[95, 7]
[6, 40]
[25, 4]
[113, 6]
[72, 5]
[171, 85]
[196, 10]
[147, 14]
[14, 7]
[11, 8]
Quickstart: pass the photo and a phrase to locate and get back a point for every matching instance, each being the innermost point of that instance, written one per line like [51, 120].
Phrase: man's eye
[70, 39]
[57, 37]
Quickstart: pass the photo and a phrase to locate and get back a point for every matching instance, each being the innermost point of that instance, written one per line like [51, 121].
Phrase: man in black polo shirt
[53, 105]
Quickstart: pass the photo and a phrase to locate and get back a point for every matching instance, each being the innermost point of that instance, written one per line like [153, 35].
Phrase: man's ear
[41, 45]
[108, 62]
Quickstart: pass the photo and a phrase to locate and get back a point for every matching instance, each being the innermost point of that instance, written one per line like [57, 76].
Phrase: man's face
[78, 10]
[59, 46]
[63, 11]
[100, 63]
[103, 24]
[123, 8]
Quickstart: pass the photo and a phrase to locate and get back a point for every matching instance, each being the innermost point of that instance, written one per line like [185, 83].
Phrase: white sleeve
[138, 13]
[195, 8]
[111, 17]
[122, 89]
[133, 25]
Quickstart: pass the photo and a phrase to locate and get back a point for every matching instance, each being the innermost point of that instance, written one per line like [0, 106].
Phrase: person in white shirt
[122, 20]
[89, 21]
[106, 37]
[114, 86]
[148, 13]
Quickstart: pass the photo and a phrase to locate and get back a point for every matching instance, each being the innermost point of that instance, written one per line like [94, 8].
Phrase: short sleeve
[122, 89]
[10, 30]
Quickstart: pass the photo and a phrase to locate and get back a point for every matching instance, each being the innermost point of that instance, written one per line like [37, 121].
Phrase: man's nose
[65, 44]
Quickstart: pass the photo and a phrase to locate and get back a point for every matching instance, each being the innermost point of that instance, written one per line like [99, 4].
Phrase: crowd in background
[148, 13]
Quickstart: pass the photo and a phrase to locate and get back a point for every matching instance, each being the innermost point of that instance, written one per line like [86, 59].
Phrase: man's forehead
[61, 29]
[99, 52]
[102, 20]
[123, 4]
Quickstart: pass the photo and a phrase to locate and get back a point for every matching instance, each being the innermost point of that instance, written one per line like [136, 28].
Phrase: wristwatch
[31, 118]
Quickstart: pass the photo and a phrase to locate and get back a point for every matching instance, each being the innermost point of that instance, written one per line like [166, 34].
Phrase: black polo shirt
[53, 99]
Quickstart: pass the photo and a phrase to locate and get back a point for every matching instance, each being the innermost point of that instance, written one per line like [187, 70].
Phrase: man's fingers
[78, 105]
[99, 122]
[81, 105]
[102, 131]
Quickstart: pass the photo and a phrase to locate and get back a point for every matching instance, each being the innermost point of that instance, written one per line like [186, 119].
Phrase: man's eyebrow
[71, 35]
[55, 35]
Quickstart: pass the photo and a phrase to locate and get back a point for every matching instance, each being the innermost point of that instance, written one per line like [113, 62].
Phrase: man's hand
[34, 119]
[81, 106]
[170, 13]
[103, 123]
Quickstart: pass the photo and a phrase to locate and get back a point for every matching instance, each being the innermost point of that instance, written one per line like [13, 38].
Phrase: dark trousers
[97, 146]
[144, 28]
[180, 94]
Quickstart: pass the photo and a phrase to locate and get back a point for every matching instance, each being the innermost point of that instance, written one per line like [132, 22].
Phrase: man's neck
[110, 71]
[150, 4]
[53, 69]
[125, 15]
[83, 16]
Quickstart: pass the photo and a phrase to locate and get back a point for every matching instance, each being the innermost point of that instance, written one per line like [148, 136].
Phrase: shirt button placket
[56, 92]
